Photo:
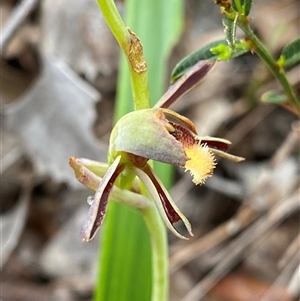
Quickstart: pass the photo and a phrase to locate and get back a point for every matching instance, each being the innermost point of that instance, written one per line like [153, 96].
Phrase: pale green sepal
[122, 196]
[145, 133]
[98, 168]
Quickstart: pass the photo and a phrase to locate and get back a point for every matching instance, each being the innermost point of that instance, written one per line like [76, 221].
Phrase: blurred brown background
[58, 81]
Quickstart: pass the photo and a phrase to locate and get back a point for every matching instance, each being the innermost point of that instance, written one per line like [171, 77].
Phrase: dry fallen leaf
[79, 36]
[54, 120]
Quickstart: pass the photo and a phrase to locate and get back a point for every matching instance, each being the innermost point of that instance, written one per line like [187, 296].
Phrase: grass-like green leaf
[217, 50]
[125, 259]
[290, 54]
[242, 6]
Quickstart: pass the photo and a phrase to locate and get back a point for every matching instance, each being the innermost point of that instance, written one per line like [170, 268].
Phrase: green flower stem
[129, 44]
[159, 249]
[159, 253]
[139, 83]
[264, 54]
[114, 22]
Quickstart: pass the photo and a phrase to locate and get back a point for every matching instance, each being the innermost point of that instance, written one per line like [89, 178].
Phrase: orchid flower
[158, 134]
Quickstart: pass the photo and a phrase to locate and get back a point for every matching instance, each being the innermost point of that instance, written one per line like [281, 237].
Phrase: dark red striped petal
[163, 201]
[219, 145]
[97, 210]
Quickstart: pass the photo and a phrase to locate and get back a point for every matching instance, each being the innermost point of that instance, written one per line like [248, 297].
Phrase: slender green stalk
[159, 253]
[265, 55]
[133, 51]
[115, 22]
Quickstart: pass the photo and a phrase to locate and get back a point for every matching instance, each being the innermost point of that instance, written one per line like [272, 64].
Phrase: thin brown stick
[294, 285]
[247, 124]
[282, 280]
[275, 195]
[234, 250]
[292, 249]
[288, 146]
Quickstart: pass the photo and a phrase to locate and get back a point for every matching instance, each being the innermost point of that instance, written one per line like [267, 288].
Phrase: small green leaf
[237, 5]
[203, 53]
[242, 44]
[242, 6]
[247, 6]
[273, 97]
[217, 50]
[222, 51]
[230, 30]
[290, 54]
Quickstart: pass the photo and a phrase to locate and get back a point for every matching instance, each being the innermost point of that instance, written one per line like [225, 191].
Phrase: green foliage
[217, 50]
[225, 52]
[290, 55]
[236, 16]
[242, 6]
[222, 51]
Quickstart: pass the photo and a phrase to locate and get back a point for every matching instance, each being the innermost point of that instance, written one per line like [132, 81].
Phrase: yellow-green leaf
[290, 55]
[217, 50]
[242, 6]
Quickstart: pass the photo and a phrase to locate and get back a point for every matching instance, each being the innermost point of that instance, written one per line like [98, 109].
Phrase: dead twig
[282, 280]
[294, 285]
[247, 124]
[13, 222]
[234, 250]
[292, 249]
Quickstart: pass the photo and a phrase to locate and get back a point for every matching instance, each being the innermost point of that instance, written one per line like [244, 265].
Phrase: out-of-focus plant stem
[264, 54]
